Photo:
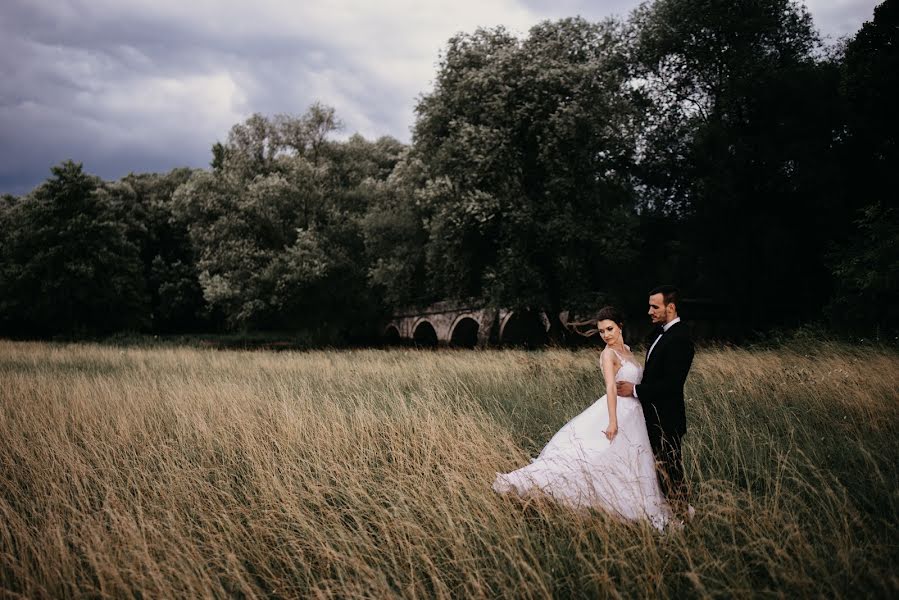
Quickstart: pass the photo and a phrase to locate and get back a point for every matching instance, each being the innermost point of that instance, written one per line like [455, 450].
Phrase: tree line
[721, 145]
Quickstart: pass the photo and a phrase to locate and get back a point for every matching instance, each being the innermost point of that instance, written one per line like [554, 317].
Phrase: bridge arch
[523, 328]
[392, 335]
[424, 333]
[464, 331]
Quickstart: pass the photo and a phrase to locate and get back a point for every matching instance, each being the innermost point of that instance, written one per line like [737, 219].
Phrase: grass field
[173, 472]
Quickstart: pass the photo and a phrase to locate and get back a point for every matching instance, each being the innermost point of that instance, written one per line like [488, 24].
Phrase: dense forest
[720, 145]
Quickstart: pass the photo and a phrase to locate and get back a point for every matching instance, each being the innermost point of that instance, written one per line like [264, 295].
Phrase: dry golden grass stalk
[198, 473]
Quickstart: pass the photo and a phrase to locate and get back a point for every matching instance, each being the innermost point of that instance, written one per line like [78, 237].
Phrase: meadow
[181, 472]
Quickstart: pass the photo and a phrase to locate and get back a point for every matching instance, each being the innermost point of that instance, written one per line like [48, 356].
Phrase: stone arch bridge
[467, 326]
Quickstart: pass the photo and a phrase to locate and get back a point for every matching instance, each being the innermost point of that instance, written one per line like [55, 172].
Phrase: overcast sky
[149, 85]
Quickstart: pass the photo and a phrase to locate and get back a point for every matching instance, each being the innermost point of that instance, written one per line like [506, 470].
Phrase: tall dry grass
[191, 473]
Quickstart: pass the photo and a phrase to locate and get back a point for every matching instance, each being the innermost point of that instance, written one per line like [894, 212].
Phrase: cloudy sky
[148, 85]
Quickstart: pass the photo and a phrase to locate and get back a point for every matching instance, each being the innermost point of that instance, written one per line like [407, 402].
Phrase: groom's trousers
[670, 467]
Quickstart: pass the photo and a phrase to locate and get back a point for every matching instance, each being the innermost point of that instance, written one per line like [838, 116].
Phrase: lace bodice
[630, 371]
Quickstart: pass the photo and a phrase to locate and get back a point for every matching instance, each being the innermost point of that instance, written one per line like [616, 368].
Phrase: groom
[662, 392]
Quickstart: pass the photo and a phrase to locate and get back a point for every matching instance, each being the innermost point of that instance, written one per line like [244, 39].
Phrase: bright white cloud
[838, 18]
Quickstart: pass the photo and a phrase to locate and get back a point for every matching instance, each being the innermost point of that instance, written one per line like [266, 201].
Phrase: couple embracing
[623, 453]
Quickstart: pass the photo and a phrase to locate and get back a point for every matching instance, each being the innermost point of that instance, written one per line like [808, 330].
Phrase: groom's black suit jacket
[661, 391]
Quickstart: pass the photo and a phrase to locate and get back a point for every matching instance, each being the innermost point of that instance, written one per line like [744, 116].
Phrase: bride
[601, 458]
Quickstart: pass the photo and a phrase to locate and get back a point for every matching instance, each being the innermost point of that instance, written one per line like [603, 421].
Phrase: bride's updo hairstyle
[610, 313]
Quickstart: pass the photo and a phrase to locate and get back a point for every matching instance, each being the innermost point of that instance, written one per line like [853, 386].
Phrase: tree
[865, 264]
[395, 236]
[867, 275]
[237, 228]
[277, 225]
[737, 151]
[526, 147]
[66, 265]
[870, 83]
[144, 204]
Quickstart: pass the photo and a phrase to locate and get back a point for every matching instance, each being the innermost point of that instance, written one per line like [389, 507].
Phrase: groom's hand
[625, 388]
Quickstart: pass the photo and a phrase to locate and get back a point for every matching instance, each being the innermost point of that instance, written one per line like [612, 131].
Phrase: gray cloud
[149, 85]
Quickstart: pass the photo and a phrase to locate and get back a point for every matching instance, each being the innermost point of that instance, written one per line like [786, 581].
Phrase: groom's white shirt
[665, 328]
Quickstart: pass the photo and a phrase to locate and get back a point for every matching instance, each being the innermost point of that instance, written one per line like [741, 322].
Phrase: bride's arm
[607, 360]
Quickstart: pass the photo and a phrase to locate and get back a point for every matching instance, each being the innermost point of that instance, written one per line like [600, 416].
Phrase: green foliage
[716, 144]
[144, 204]
[67, 266]
[870, 84]
[867, 275]
[395, 236]
[526, 146]
[277, 225]
[865, 264]
[738, 152]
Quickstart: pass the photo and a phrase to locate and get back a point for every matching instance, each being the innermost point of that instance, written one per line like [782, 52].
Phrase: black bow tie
[654, 334]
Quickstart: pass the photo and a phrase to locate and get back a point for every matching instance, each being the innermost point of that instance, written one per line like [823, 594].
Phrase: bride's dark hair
[606, 313]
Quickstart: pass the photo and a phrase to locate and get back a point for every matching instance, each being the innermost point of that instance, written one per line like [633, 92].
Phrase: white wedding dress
[581, 468]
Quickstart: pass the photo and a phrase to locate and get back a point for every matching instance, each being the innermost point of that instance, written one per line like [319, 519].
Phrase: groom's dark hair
[669, 292]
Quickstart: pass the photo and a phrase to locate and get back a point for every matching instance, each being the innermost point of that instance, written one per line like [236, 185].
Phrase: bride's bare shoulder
[608, 354]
